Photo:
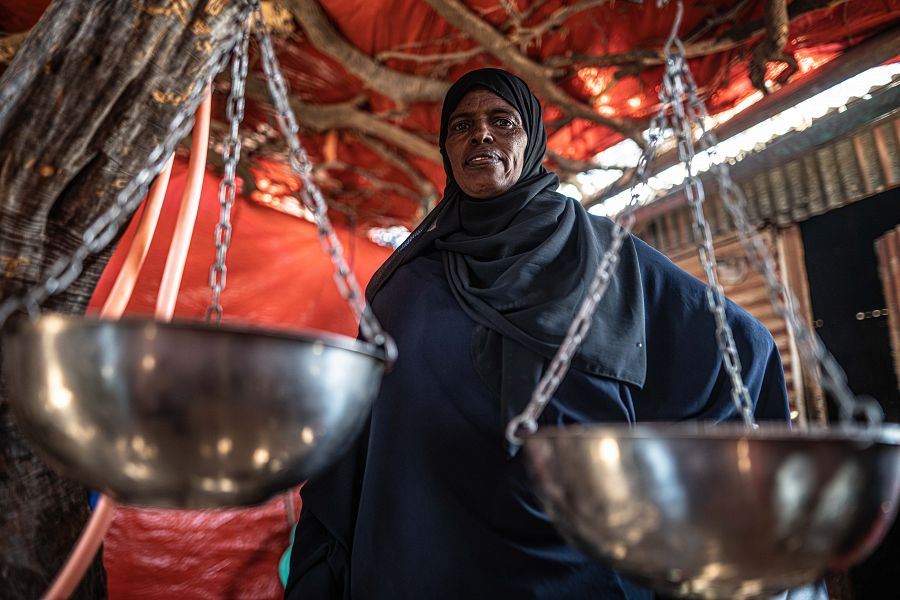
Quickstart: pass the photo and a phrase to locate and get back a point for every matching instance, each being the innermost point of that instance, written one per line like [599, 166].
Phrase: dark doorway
[848, 305]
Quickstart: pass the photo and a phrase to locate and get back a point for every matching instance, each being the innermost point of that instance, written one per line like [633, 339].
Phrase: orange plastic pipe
[83, 553]
[122, 289]
[187, 216]
[92, 536]
[95, 530]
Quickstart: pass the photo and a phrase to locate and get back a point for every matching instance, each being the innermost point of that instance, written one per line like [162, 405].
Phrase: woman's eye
[504, 122]
[459, 126]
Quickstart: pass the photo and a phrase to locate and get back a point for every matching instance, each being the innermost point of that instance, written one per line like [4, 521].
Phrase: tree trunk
[91, 92]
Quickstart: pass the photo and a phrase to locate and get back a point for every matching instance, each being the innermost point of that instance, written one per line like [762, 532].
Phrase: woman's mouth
[481, 159]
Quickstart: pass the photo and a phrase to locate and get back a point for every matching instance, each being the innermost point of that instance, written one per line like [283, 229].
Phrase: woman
[431, 503]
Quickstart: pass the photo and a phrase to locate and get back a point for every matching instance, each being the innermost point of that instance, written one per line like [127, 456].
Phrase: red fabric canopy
[721, 34]
[614, 28]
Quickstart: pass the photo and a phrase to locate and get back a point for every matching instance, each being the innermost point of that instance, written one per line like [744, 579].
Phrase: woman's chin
[483, 190]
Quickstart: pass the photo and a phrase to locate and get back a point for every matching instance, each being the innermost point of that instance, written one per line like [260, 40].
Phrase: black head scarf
[520, 263]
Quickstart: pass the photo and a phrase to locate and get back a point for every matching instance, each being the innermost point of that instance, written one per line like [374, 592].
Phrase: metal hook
[673, 35]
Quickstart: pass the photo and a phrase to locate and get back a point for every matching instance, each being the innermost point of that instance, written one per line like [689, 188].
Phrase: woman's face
[485, 144]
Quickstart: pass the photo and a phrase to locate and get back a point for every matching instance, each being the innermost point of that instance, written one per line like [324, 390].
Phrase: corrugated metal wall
[746, 287]
[795, 178]
[840, 172]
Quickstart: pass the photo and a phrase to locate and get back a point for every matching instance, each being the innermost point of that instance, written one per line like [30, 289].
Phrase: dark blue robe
[430, 505]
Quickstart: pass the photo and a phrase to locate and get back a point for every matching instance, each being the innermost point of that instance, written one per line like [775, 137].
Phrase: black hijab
[520, 263]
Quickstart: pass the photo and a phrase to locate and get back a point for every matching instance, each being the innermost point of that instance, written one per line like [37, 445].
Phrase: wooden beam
[349, 115]
[401, 87]
[887, 247]
[807, 393]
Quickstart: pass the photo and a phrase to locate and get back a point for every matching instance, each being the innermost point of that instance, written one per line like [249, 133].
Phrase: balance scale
[198, 415]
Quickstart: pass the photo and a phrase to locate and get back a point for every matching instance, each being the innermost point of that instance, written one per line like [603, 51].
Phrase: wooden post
[887, 247]
[810, 397]
[90, 92]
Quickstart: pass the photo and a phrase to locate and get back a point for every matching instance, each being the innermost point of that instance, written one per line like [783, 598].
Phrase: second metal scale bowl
[718, 511]
[184, 415]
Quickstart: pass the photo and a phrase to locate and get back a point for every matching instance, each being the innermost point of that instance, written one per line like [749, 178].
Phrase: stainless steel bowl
[185, 415]
[710, 511]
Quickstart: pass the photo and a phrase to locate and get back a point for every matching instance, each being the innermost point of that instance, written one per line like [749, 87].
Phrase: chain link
[677, 86]
[101, 232]
[715, 296]
[672, 93]
[526, 422]
[311, 196]
[824, 368]
[679, 90]
[231, 154]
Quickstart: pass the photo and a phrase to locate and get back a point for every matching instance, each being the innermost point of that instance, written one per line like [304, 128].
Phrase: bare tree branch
[622, 182]
[771, 49]
[347, 115]
[445, 57]
[571, 165]
[539, 77]
[571, 179]
[126, 71]
[432, 43]
[555, 20]
[714, 21]
[512, 11]
[641, 57]
[425, 187]
[377, 182]
[399, 86]
[738, 36]
[532, 8]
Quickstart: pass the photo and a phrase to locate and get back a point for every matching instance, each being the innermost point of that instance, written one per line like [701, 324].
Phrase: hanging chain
[680, 91]
[825, 369]
[101, 232]
[231, 154]
[526, 422]
[676, 91]
[312, 197]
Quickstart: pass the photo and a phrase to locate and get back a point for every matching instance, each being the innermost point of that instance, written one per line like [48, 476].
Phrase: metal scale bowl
[719, 511]
[183, 415]
[193, 415]
[178, 414]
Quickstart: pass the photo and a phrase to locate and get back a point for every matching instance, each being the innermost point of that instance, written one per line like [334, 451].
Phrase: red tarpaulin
[402, 34]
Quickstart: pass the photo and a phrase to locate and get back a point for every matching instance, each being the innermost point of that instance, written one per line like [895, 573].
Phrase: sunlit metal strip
[887, 247]
[843, 171]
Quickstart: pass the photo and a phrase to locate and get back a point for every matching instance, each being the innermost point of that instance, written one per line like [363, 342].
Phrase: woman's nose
[481, 134]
